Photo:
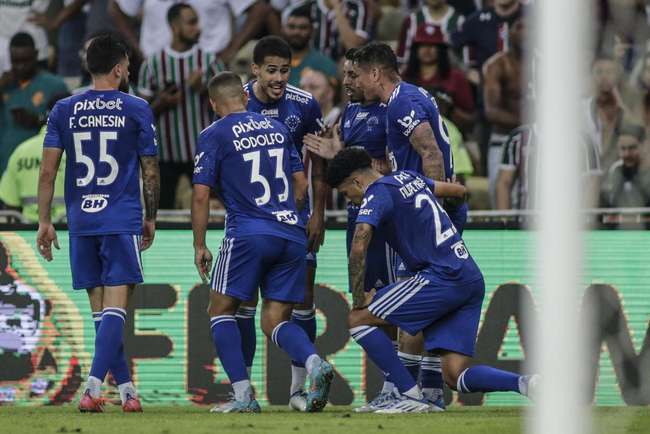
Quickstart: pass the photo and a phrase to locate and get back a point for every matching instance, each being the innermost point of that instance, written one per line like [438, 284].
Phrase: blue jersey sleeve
[376, 206]
[207, 161]
[405, 115]
[147, 144]
[314, 121]
[53, 134]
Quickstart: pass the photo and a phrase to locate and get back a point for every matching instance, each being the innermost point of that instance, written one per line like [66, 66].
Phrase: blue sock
[294, 341]
[483, 378]
[119, 368]
[246, 322]
[108, 341]
[430, 374]
[227, 342]
[412, 363]
[380, 350]
[306, 320]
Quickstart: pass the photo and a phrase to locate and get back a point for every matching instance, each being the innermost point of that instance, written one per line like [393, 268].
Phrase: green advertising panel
[47, 335]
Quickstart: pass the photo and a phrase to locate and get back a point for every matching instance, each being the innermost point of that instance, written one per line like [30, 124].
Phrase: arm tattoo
[150, 185]
[357, 263]
[424, 142]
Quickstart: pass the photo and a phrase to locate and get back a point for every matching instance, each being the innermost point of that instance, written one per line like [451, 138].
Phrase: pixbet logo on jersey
[251, 125]
[93, 203]
[97, 104]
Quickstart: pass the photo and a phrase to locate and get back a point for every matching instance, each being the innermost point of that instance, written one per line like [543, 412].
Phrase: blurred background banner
[46, 335]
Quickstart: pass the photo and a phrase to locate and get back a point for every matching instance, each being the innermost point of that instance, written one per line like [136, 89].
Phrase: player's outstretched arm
[425, 144]
[200, 215]
[357, 263]
[316, 224]
[325, 147]
[46, 234]
[449, 189]
[151, 193]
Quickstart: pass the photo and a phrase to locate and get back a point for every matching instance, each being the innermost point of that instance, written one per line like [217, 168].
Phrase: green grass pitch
[197, 420]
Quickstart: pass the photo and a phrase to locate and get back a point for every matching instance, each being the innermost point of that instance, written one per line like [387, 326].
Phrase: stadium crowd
[470, 55]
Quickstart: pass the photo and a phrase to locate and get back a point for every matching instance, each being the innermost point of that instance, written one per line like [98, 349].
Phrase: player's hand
[324, 147]
[196, 80]
[203, 262]
[315, 233]
[170, 98]
[148, 234]
[45, 237]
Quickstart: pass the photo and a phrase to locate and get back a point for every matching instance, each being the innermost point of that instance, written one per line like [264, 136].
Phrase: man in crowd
[316, 83]
[174, 80]
[298, 30]
[25, 92]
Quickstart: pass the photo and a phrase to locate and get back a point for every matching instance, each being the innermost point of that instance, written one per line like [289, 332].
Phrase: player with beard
[270, 95]
[109, 138]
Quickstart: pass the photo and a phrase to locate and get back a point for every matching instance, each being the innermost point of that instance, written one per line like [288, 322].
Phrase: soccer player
[417, 141]
[363, 124]
[442, 299]
[108, 137]
[250, 157]
[270, 95]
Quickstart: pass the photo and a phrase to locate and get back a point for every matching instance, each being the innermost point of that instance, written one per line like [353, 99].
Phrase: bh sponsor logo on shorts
[287, 216]
[92, 203]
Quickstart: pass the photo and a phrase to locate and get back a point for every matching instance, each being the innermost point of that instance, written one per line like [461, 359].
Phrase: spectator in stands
[338, 24]
[639, 89]
[25, 91]
[485, 33]
[316, 83]
[218, 36]
[605, 110]
[430, 66]
[174, 81]
[14, 18]
[516, 177]
[628, 180]
[297, 30]
[502, 96]
[436, 13]
[19, 183]
[464, 7]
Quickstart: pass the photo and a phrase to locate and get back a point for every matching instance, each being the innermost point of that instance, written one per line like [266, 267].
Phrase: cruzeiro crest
[292, 122]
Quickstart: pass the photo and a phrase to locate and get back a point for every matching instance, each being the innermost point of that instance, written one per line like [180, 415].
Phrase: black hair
[22, 40]
[345, 163]
[56, 98]
[412, 73]
[104, 52]
[225, 82]
[271, 46]
[174, 12]
[303, 11]
[351, 54]
[634, 130]
[377, 54]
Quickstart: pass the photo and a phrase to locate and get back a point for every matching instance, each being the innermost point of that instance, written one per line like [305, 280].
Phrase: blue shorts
[448, 315]
[380, 258]
[105, 260]
[275, 265]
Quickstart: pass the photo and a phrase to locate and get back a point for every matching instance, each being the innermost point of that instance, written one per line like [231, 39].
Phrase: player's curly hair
[377, 54]
[345, 163]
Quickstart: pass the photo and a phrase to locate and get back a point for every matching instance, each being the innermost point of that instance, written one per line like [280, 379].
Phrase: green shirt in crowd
[314, 60]
[462, 161]
[19, 183]
[34, 97]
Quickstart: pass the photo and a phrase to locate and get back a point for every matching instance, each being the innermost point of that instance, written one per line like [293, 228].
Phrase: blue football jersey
[250, 159]
[297, 109]
[403, 209]
[408, 107]
[103, 134]
[365, 126]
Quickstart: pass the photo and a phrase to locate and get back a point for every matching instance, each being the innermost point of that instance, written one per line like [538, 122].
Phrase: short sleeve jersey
[104, 134]
[402, 207]
[365, 126]
[408, 107]
[250, 159]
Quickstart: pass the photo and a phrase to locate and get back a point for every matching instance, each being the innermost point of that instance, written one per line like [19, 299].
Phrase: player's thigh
[241, 263]
[456, 331]
[85, 262]
[415, 303]
[284, 280]
[221, 304]
[121, 262]
[117, 296]
[363, 317]
[410, 344]
[273, 313]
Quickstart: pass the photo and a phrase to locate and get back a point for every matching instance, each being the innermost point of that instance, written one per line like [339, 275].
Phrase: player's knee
[450, 378]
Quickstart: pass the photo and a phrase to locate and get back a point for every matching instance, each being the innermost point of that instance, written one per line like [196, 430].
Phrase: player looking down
[249, 158]
[108, 137]
[443, 297]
